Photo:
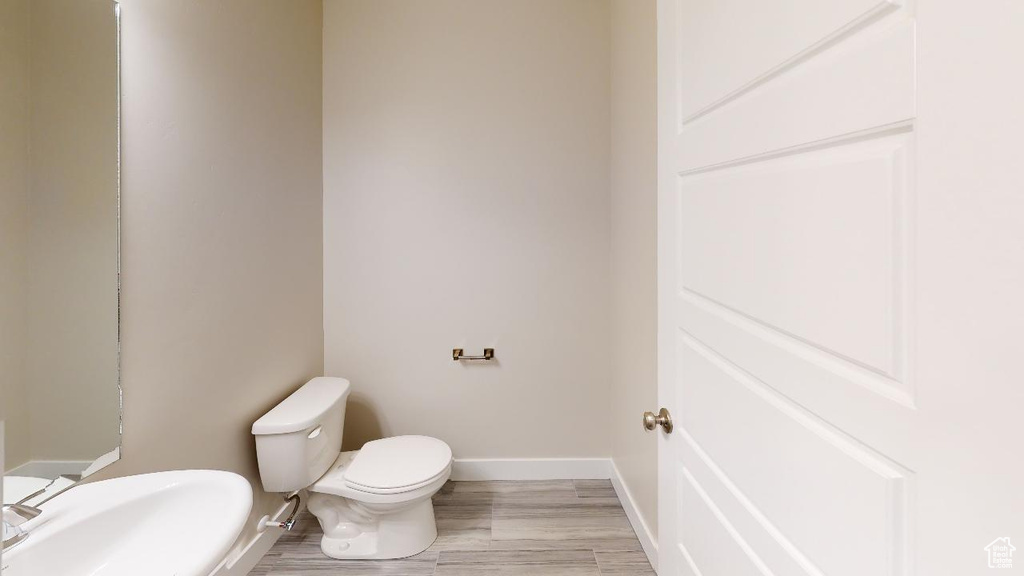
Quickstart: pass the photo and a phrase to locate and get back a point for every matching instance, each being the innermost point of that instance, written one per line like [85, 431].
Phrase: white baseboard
[531, 469]
[643, 533]
[246, 555]
[50, 468]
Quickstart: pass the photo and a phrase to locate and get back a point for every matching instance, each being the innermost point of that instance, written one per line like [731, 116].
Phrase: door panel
[820, 429]
[758, 218]
[864, 83]
[708, 532]
[783, 451]
[732, 46]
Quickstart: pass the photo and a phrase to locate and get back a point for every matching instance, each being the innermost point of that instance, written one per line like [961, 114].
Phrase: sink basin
[179, 523]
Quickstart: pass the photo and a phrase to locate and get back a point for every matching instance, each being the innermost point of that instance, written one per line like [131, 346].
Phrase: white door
[841, 278]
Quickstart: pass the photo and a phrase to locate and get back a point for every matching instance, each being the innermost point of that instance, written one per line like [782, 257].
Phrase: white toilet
[371, 503]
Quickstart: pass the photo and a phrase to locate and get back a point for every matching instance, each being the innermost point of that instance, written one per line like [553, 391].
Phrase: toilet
[372, 503]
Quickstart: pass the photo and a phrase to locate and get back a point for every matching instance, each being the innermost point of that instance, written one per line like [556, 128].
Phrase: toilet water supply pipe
[289, 522]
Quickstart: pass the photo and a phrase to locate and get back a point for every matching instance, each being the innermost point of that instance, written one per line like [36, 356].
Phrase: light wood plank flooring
[558, 527]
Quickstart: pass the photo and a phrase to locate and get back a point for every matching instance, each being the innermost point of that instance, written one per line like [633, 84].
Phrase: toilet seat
[398, 464]
[396, 468]
[384, 491]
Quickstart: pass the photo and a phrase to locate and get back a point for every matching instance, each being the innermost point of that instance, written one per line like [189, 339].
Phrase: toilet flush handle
[316, 432]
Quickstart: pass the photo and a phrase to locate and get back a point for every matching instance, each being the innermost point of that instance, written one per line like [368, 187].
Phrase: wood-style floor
[558, 527]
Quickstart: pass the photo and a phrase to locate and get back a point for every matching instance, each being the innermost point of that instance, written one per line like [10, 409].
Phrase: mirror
[60, 396]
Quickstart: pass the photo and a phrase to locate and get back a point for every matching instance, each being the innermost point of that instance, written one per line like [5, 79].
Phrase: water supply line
[289, 522]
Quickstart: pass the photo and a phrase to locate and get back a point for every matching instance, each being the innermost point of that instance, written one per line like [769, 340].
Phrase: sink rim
[231, 497]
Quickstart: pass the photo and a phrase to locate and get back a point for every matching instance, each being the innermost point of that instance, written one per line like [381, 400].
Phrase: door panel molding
[872, 15]
[848, 370]
[791, 448]
[844, 293]
[873, 74]
[731, 532]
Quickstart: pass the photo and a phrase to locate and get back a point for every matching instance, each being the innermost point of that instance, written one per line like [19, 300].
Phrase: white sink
[179, 523]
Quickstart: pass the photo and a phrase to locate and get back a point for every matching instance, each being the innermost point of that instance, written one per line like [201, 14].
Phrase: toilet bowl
[372, 503]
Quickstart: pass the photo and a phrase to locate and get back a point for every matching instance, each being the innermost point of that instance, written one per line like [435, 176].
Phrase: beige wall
[222, 226]
[633, 180]
[72, 253]
[14, 194]
[466, 205]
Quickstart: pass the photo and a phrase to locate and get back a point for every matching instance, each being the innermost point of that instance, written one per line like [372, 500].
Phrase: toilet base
[354, 530]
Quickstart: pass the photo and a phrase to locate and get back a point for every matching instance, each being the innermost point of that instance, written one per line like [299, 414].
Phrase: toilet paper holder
[458, 354]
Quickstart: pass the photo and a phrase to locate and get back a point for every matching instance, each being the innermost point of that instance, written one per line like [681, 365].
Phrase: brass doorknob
[662, 418]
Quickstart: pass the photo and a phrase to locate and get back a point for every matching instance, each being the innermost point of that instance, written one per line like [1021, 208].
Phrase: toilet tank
[299, 439]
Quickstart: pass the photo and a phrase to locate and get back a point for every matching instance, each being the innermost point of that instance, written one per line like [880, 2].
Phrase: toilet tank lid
[304, 408]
